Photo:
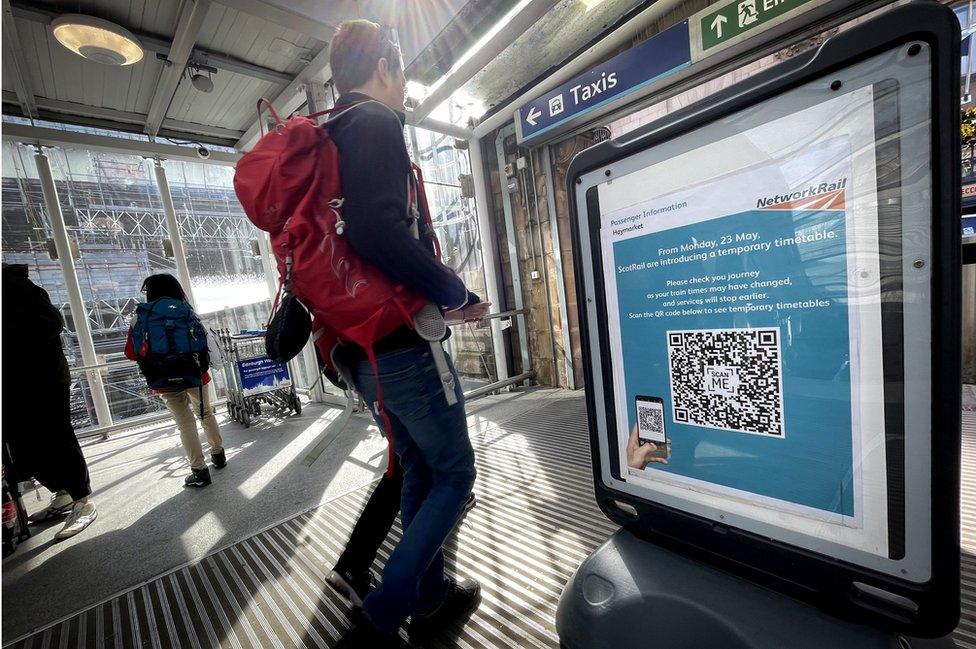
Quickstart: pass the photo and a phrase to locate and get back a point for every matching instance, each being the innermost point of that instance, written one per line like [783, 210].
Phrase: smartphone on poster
[650, 424]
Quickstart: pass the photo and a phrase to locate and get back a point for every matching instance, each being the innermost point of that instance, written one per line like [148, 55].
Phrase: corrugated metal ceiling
[150, 16]
[57, 75]
[434, 33]
[566, 28]
[255, 40]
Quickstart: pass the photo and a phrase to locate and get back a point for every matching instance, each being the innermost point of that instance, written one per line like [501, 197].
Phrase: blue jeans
[431, 440]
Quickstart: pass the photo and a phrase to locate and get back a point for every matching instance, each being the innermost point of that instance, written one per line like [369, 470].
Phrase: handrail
[119, 363]
[497, 385]
[98, 366]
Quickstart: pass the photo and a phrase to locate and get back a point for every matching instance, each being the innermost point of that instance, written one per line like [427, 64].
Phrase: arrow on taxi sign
[533, 115]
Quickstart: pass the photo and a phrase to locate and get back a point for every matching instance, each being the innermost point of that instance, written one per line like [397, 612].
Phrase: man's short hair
[355, 51]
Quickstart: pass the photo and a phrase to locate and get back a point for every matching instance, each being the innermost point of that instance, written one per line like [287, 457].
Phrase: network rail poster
[743, 297]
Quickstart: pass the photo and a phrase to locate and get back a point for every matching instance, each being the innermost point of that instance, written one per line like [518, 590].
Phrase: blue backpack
[171, 343]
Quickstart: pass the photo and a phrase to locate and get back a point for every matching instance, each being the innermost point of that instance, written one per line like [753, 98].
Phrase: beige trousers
[184, 405]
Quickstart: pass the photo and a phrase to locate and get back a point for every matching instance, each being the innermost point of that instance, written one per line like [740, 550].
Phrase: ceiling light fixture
[591, 4]
[97, 40]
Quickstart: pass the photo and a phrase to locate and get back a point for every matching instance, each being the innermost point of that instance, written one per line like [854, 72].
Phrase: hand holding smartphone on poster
[648, 438]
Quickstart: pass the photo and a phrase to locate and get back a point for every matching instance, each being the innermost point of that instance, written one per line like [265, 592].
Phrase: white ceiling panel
[8, 75]
[151, 16]
[58, 73]
[231, 104]
[257, 41]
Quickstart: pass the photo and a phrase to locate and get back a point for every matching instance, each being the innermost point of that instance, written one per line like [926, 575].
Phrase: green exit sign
[715, 28]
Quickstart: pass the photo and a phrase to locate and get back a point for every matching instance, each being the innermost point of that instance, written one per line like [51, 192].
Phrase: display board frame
[922, 606]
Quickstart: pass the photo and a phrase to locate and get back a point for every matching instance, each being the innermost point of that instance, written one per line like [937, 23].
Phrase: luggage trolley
[254, 379]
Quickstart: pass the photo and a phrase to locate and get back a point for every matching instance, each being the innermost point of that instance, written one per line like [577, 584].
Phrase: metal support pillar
[316, 392]
[179, 252]
[269, 264]
[79, 314]
[513, 256]
[486, 235]
[557, 255]
[173, 229]
[317, 99]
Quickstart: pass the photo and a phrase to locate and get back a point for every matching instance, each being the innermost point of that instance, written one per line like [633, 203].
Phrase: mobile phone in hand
[650, 424]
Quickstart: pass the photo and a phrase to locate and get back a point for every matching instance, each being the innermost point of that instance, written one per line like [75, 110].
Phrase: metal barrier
[342, 402]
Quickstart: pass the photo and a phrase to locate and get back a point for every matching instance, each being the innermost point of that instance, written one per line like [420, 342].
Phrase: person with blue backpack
[169, 342]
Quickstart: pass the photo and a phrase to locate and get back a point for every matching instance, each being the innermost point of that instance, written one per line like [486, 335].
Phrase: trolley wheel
[296, 404]
[246, 419]
[256, 408]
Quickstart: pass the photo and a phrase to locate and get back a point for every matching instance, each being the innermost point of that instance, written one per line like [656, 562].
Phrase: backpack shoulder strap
[346, 109]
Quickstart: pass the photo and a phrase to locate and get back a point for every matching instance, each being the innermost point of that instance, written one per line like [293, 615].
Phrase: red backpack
[289, 186]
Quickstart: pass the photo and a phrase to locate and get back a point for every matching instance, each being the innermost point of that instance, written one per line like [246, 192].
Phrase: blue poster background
[812, 464]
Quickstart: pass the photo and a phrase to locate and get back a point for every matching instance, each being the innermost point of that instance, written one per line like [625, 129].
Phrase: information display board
[260, 375]
[771, 287]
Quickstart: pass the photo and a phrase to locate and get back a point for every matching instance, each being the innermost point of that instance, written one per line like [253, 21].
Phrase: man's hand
[470, 313]
[638, 456]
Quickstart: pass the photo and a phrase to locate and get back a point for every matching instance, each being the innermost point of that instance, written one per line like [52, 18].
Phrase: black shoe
[197, 478]
[353, 587]
[363, 635]
[461, 601]
[219, 459]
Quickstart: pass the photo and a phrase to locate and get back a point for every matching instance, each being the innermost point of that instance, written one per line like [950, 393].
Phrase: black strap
[146, 338]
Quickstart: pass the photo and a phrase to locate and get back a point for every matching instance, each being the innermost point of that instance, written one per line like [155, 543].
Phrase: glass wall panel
[114, 221]
[116, 224]
[456, 224]
[226, 274]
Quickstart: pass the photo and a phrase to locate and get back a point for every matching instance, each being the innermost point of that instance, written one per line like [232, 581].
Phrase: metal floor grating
[535, 522]
[965, 635]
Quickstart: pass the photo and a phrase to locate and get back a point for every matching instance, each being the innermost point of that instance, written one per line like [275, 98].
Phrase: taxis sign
[639, 67]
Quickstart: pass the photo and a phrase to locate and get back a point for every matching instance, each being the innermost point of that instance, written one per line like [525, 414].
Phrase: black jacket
[32, 329]
[375, 174]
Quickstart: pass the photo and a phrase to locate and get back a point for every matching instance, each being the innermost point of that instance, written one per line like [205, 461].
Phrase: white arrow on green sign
[717, 27]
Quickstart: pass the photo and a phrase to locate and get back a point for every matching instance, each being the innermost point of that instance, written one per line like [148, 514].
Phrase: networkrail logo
[825, 196]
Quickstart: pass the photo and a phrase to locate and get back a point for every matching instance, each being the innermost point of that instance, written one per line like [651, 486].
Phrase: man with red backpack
[428, 425]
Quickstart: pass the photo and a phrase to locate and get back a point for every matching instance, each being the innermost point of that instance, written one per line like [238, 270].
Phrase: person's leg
[64, 469]
[351, 576]
[77, 481]
[373, 525]
[439, 472]
[209, 419]
[178, 404]
[72, 470]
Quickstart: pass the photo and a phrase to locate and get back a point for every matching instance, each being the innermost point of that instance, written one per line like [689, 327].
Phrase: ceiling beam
[158, 45]
[127, 117]
[506, 31]
[187, 28]
[292, 97]
[285, 18]
[55, 137]
[15, 55]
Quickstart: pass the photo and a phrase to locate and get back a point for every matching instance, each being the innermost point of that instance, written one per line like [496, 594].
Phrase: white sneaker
[82, 515]
[60, 505]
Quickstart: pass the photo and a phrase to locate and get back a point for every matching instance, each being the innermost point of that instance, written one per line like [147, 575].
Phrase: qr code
[729, 379]
[650, 419]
